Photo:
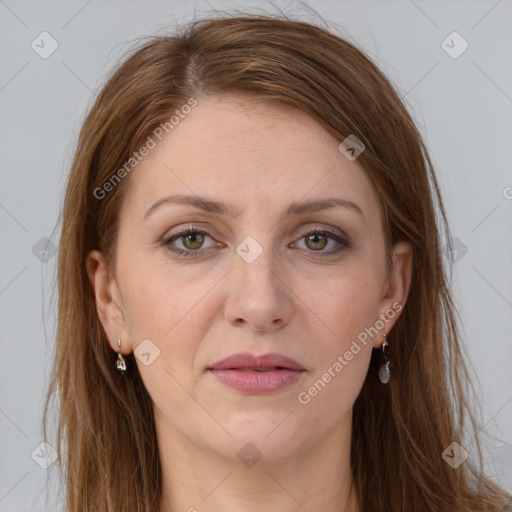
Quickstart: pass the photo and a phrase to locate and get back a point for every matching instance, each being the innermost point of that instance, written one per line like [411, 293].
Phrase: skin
[295, 299]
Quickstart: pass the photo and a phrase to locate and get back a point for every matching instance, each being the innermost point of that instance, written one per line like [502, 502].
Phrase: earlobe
[108, 305]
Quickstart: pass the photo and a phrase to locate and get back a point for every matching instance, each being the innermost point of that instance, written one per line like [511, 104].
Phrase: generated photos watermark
[151, 143]
[304, 397]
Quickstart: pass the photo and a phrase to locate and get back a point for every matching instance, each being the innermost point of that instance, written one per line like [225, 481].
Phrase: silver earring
[120, 363]
[384, 371]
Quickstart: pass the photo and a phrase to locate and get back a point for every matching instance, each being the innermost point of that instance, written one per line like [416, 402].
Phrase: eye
[191, 238]
[317, 240]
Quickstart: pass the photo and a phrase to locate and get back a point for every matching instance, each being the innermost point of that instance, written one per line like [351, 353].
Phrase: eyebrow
[218, 207]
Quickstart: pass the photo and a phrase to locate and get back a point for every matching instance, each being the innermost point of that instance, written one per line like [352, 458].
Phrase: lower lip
[258, 381]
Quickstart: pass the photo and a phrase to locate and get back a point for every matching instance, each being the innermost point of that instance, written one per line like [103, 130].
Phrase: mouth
[258, 381]
[249, 362]
[257, 374]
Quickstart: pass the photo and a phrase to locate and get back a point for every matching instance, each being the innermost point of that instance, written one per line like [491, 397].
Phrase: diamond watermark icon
[249, 249]
[351, 147]
[44, 249]
[44, 45]
[146, 352]
[454, 45]
[455, 250]
[249, 455]
[455, 455]
[44, 455]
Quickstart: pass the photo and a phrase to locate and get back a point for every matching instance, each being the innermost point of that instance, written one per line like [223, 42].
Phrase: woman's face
[258, 282]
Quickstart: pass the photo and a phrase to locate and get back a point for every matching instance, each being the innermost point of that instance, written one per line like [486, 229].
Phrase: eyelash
[166, 241]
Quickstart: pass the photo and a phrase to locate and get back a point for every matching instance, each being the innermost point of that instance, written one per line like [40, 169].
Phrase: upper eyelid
[212, 233]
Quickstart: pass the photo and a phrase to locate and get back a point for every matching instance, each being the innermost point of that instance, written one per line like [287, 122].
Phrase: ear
[108, 302]
[396, 288]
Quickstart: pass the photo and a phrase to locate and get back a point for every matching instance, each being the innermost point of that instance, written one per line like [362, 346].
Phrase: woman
[253, 308]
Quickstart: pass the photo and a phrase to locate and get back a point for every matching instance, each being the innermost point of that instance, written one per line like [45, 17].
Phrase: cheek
[331, 392]
[348, 307]
[158, 300]
[346, 303]
[174, 310]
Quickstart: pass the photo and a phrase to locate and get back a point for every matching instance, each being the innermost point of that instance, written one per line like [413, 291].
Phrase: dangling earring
[120, 363]
[384, 372]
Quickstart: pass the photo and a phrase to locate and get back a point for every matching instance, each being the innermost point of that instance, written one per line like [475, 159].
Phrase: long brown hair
[106, 437]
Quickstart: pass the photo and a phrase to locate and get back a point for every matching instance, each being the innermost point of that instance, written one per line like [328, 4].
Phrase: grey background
[463, 107]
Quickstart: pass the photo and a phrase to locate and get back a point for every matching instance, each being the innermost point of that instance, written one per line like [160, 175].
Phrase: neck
[198, 479]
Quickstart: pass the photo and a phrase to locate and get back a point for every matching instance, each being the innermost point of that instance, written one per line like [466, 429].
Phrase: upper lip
[250, 361]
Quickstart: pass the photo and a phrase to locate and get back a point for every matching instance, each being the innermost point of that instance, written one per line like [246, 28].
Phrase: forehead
[258, 156]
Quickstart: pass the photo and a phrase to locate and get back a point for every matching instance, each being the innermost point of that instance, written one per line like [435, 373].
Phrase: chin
[262, 435]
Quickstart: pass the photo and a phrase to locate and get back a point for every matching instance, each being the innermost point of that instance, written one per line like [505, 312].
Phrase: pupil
[313, 237]
[192, 238]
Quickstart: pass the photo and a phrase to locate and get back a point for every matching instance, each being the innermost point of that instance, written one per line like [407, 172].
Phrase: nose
[259, 296]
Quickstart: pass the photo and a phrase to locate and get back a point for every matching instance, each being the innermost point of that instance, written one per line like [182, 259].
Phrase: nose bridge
[257, 294]
[256, 229]
[257, 261]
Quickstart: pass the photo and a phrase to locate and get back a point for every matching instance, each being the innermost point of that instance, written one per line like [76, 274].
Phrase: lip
[257, 374]
[246, 360]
